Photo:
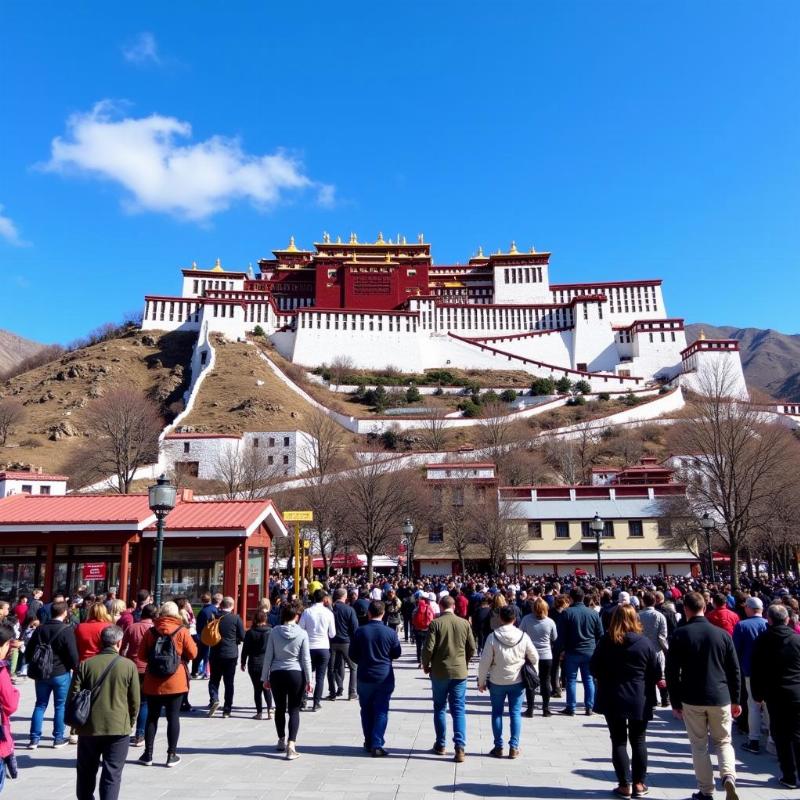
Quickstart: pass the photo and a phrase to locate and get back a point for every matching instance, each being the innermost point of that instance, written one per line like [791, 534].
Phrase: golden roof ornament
[292, 248]
[702, 336]
[326, 237]
[479, 254]
[513, 249]
[533, 249]
[353, 238]
[194, 265]
[218, 266]
[380, 238]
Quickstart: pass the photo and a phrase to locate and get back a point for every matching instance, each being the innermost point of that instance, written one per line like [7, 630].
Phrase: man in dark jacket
[579, 630]
[704, 682]
[346, 623]
[373, 648]
[775, 679]
[115, 707]
[224, 656]
[59, 635]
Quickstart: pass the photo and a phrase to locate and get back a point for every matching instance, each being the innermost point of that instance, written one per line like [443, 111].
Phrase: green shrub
[564, 385]
[508, 396]
[412, 394]
[582, 387]
[258, 331]
[438, 391]
[543, 386]
[489, 396]
[469, 408]
[389, 439]
[630, 399]
[604, 396]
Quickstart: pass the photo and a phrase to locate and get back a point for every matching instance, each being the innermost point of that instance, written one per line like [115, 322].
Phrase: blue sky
[631, 139]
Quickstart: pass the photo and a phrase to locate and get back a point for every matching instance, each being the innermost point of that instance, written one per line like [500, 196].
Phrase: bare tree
[378, 499]
[434, 430]
[492, 521]
[494, 426]
[740, 461]
[572, 456]
[123, 428]
[679, 528]
[258, 476]
[341, 367]
[12, 412]
[228, 470]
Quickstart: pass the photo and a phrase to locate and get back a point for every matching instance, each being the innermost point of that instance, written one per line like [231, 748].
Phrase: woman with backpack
[253, 651]
[167, 650]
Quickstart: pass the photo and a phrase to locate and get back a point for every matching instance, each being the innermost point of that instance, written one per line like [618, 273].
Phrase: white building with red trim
[31, 482]
[386, 303]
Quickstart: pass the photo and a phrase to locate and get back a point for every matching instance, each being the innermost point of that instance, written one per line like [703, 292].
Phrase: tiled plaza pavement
[234, 758]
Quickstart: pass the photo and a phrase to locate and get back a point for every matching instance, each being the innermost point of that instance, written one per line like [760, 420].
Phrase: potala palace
[386, 303]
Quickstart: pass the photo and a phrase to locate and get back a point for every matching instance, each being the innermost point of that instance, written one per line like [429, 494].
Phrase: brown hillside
[54, 394]
[232, 401]
[14, 350]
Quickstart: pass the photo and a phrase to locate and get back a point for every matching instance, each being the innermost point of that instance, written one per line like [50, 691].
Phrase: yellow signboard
[298, 516]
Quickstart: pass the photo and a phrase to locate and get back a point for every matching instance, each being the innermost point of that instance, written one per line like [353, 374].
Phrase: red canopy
[579, 571]
[341, 561]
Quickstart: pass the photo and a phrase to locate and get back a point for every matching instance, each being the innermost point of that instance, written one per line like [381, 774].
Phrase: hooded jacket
[178, 682]
[504, 656]
[287, 649]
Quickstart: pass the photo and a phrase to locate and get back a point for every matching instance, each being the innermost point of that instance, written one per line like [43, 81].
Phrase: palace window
[435, 534]
[272, 441]
[534, 529]
[635, 528]
[270, 460]
[664, 528]
[562, 529]
[44, 490]
[286, 459]
[187, 447]
[255, 441]
[27, 488]
[285, 441]
[608, 529]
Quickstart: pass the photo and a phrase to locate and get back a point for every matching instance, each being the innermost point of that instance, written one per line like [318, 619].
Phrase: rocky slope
[14, 349]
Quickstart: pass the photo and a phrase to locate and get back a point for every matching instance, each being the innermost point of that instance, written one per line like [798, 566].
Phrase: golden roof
[513, 249]
[218, 266]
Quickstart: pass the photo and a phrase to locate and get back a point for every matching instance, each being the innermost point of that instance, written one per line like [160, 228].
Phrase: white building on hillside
[211, 456]
[31, 482]
[386, 303]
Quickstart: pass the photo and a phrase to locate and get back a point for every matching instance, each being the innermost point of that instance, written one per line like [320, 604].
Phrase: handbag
[79, 706]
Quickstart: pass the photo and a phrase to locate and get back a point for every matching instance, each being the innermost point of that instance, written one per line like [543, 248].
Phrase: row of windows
[523, 275]
[361, 322]
[481, 319]
[187, 446]
[171, 310]
[28, 489]
[634, 528]
[202, 285]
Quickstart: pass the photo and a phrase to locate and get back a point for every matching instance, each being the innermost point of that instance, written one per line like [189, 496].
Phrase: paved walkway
[234, 758]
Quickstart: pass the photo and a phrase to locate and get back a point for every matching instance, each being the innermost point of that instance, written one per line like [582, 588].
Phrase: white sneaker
[73, 738]
[281, 746]
[291, 753]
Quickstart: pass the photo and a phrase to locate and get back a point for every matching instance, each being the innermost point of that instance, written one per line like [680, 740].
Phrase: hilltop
[15, 349]
[54, 393]
[771, 360]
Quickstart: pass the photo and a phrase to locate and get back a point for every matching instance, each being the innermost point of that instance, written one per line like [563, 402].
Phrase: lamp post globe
[597, 526]
[408, 532]
[161, 499]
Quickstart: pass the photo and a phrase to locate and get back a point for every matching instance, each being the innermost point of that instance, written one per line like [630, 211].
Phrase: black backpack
[163, 660]
[41, 659]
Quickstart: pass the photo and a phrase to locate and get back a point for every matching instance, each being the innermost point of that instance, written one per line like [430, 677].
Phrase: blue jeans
[498, 694]
[58, 686]
[373, 698]
[141, 720]
[452, 692]
[572, 663]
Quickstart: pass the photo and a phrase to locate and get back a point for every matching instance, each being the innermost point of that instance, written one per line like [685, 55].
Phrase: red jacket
[132, 642]
[9, 702]
[723, 618]
[462, 606]
[87, 638]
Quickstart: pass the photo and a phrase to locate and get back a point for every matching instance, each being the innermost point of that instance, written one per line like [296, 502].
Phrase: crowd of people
[718, 658]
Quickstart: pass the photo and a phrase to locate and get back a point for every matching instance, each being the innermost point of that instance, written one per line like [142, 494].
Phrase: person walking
[500, 670]
[655, 629]
[394, 611]
[579, 630]
[420, 622]
[201, 667]
[167, 650]
[745, 634]
[480, 621]
[346, 623]
[9, 701]
[318, 622]
[287, 674]
[721, 615]
[51, 674]
[542, 632]
[131, 644]
[703, 681]
[253, 651]
[114, 709]
[87, 634]
[626, 669]
[223, 657]
[449, 646]
[373, 649]
[775, 680]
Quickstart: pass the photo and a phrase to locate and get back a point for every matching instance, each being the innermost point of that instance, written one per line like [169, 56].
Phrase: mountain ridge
[14, 349]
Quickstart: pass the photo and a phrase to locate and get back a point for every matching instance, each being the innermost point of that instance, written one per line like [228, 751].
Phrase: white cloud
[9, 232]
[142, 50]
[192, 181]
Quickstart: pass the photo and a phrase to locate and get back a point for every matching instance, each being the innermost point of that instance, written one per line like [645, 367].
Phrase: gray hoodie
[287, 649]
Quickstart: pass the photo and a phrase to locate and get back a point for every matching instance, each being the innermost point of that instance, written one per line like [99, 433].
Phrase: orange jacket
[178, 682]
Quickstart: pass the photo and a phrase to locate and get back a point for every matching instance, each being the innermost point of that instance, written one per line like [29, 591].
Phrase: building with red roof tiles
[107, 542]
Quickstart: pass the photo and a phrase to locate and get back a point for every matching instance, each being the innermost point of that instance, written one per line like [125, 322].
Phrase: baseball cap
[624, 597]
[754, 602]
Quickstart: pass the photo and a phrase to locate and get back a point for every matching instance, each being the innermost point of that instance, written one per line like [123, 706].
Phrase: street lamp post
[161, 497]
[707, 524]
[408, 532]
[597, 526]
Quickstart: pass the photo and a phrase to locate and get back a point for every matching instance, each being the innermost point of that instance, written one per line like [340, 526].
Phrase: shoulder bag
[79, 707]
